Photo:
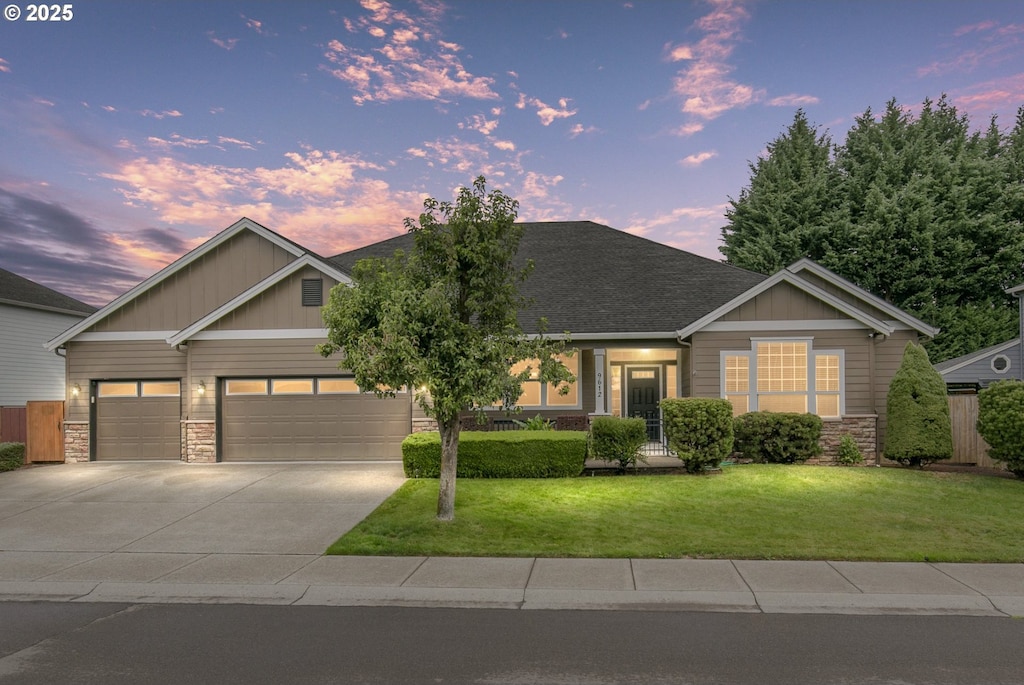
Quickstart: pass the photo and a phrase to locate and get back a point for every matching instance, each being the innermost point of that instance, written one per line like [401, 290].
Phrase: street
[154, 644]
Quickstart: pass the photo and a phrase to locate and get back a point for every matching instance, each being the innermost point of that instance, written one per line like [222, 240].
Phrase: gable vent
[312, 292]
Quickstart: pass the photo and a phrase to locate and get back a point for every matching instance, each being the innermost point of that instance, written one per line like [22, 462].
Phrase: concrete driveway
[76, 521]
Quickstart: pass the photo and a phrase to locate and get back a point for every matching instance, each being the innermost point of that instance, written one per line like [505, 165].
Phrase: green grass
[746, 512]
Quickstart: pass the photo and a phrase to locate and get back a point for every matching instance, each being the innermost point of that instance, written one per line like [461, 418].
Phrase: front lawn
[746, 512]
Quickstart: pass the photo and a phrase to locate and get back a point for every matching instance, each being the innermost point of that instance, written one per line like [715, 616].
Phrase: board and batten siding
[27, 370]
[278, 307]
[200, 287]
[783, 302]
[137, 360]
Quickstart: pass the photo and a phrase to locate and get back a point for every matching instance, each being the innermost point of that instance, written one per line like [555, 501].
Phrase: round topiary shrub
[1001, 423]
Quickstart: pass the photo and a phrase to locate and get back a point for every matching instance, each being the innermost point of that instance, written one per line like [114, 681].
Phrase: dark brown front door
[643, 385]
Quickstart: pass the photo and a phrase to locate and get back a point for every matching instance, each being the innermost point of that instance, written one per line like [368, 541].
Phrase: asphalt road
[155, 644]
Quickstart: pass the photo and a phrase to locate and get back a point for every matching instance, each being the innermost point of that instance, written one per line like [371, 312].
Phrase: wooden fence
[968, 446]
[13, 424]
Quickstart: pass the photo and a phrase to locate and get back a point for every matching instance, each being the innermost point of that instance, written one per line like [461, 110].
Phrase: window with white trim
[538, 395]
[784, 376]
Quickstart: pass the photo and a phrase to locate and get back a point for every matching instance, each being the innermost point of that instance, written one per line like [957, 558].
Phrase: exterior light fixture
[202, 388]
[75, 390]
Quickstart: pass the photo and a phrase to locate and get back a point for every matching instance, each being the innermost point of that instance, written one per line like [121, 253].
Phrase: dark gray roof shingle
[17, 290]
[591, 278]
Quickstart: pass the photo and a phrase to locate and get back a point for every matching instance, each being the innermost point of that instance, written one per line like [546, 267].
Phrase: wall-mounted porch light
[75, 390]
[202, 388]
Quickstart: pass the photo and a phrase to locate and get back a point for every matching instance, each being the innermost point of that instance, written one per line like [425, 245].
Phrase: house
[1005, 361]
[213, 358]
[31, 314]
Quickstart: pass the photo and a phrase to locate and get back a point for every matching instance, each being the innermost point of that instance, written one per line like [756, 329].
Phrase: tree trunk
[449, 463]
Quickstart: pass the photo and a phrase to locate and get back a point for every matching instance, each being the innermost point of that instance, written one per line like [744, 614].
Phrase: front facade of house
[214, 358]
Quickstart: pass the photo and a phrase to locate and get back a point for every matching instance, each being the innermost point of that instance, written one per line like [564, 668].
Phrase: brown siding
[88, 361]
[199, 288]
[783, 302]
[212, 359]
[845, 296]
[278, 307]
[888, 354]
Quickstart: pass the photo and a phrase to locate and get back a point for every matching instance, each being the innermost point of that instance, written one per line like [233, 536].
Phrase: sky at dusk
[132, 131]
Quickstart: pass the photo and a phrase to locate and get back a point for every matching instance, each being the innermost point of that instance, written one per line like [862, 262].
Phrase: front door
[643, 392]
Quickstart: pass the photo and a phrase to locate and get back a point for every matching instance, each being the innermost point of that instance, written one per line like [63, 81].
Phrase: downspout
[1020, 345]
[876, 338]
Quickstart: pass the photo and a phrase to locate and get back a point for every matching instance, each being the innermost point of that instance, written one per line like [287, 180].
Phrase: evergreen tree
[917, 210]
[918, 431]
[783, 215]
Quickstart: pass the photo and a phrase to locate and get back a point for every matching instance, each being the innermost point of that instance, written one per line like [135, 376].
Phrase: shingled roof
[19, 291]
[594, 279]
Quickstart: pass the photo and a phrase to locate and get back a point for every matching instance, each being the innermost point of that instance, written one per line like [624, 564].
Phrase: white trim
[797, 282]
[575, 337]
[263, 334]
[858, 292]
[977, 356]
[784, 325]
[236, 302]
[173, 268]
[124, 336]
[992, 364]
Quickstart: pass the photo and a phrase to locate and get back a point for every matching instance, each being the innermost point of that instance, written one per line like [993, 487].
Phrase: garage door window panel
[337, 386]
[246, 387]
[118, 390]
[291, 386]
[161, 389]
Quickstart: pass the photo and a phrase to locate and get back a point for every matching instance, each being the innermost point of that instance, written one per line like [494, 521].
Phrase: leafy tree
[1001, 423]
[443, 319]
[918, 431]
[917, 210]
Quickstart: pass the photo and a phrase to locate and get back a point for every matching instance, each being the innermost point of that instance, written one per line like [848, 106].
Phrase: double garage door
[325, 419]
[261, 419]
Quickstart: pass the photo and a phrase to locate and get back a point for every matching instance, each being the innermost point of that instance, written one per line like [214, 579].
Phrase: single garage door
[138, 420]
[315, 419]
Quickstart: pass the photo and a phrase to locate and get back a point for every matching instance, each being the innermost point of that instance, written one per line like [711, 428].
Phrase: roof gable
[254, 292]
[179, 266]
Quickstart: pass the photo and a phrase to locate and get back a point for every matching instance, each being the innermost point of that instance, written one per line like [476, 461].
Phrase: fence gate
[45, 438]
[968, 446]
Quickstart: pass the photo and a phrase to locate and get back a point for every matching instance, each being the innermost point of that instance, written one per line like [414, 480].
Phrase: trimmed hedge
[618, 439]
[12, 455]
[1001, 423]
[777, 437]
[501, 454]
[698, 430]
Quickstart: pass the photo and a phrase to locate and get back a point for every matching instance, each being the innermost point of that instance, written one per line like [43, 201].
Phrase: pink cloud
[698, 158]
[695, 229]
[793, 100]
[983, 44]
[579, 130]
[173, 113]
[325, 200]
[412, 63]
[687, 130]
[226, 43]
[1001, 95]
[5, 66]
[705, 85]
[972, 28]
[257, 26]
[546, 112]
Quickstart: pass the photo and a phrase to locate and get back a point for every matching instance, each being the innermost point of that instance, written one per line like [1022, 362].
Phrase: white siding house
[30, 315]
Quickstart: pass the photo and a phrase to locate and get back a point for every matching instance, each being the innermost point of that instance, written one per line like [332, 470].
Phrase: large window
[784, 376]
[537, 394]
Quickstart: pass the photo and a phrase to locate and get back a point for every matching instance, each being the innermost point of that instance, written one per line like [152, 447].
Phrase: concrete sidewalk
[514, 583]
[254, 533]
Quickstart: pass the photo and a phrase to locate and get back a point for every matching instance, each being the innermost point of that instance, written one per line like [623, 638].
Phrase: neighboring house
[30, 315]
[978, 370]
[213, 358]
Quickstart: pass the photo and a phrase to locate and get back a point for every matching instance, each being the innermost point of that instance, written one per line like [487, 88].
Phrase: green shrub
[502, 454]
[617, 439]
[698, 430]
[777, 437]
[1001, 423]
[537, 423]
[12, 455]
[848, 453]
[918, 431]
